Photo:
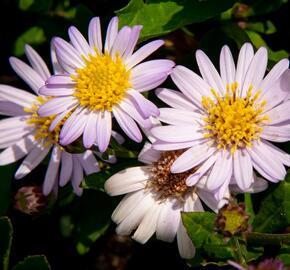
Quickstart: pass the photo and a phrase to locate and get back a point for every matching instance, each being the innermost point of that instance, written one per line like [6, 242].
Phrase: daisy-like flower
[155, 197]
[103, 82]
[226, 120]
[26, 134]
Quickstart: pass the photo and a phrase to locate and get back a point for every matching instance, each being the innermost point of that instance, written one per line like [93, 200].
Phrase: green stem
[239, 252]
[268, 238]
[249, 207]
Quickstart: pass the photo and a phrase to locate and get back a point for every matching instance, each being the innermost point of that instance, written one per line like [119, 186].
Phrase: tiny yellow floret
[42, 124]
[102, 83]
[234, 121]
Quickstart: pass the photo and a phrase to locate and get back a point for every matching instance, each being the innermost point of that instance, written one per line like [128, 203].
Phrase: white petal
[52, 171]
[209, 199]
[37, 62]
[201, 171]
[36, 155]
[57, 69]
[90, 130]
[17, 96]
[168, 221]
[148, 155]
[185, 245]
[272, 77]
[278, 133]
[165, 146]
[88, 162]
[222, 171]
[148, 224]
[132, 42]
[29, 75]
[227, 66]
[57, 90]
[266, 163]
[127, 180]
[243, 169]
[77, 176]
[209, 72]
[127, 124]
[104, 128]
[255, 71]
[245, 58]
[177, 133]
[95, 34]
[78, 41]
[142, 53]
[57, 105]
[121, 41]
[112, 32]
[280, 113]
[73, 127]
[67, 55]
[258, 185]
[134, 217]
[11, 109]
[127, 205]
[145, 106]
[179, 117]
[174, 99]
[66, 168]
[16, 151]
[192, 157]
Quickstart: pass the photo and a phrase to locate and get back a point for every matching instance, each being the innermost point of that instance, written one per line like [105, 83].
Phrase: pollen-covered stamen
[165, 183]
[234, 121]
[42, 124]
[102, 83]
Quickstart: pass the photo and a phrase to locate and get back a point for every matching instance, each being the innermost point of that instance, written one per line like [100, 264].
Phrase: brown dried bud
[30, 200]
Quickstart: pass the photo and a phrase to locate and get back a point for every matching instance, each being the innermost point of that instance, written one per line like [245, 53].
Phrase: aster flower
[226, 120]
[268, 264]
[103, 82]
[26, 134]
[155, 197]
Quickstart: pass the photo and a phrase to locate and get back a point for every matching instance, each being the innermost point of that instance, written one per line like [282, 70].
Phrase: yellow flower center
[42, 124]
[234, 121]
[102, 83]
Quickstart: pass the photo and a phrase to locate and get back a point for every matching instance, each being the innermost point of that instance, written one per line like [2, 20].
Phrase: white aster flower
[103, 82]
[26, 134]
[227, 120]
[155, 197]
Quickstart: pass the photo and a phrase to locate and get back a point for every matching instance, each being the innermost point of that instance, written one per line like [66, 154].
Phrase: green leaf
[92, 216]
[285, 258]
[35, 6]
[258, 41]
[161, 17]
[6, 232]
[37, 262]
[200, 228]
[274, 212]
[33, 36]
[6, 173]
[25, 4]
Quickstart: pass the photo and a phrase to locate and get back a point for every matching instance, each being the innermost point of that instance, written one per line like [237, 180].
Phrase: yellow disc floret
[234, 121]
[42, 124]
[102, 83]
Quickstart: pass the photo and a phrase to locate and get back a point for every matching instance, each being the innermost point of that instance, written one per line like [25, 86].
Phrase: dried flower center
[165, 183]
[233, 121]
[42, 124]
[102, 83]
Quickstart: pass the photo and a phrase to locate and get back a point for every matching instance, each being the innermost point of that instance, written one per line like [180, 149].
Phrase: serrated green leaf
[37, 262]
[6, 173]
[161, 17]
[199, 226]
[6, 232]
[33, 36]
[274, 213]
